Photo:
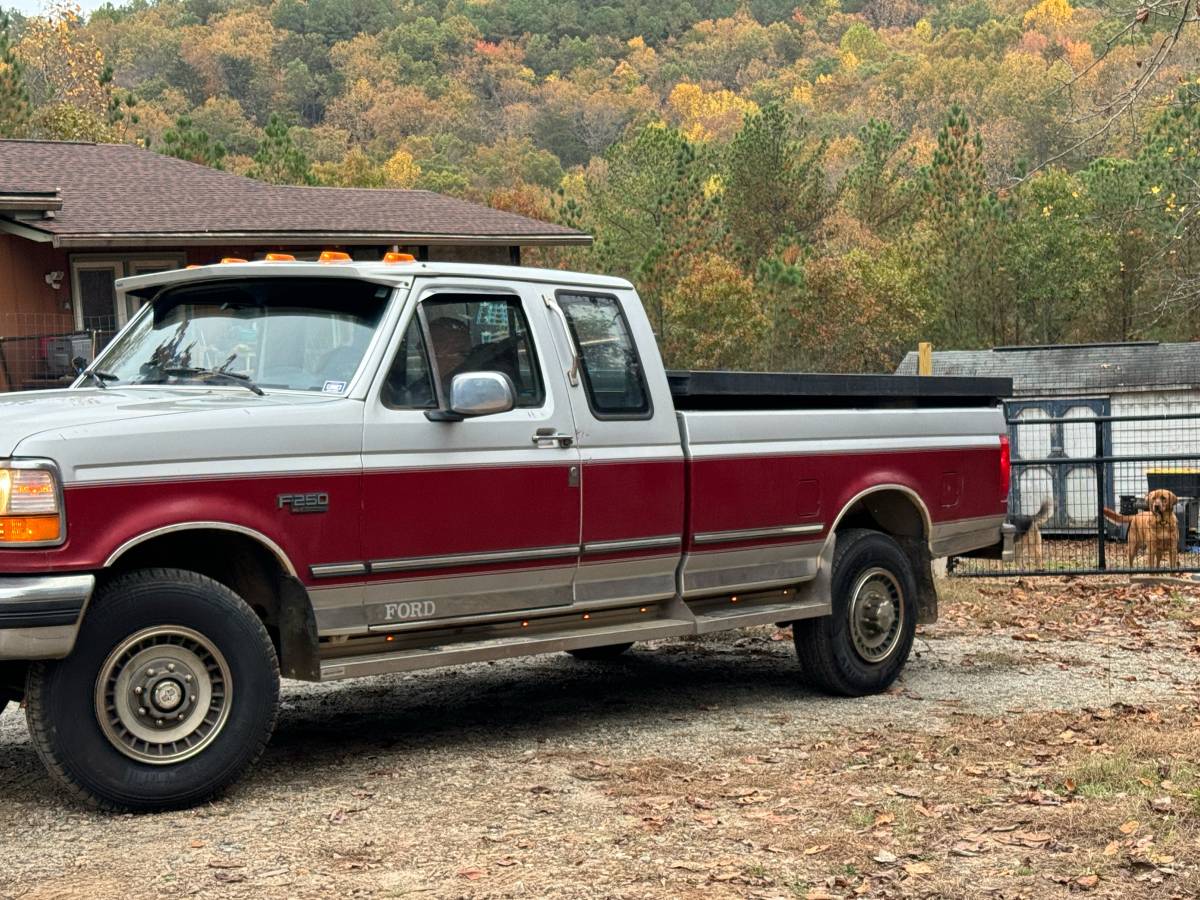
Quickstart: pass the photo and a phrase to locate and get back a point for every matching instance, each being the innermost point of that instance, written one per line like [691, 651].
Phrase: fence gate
[1073, 454]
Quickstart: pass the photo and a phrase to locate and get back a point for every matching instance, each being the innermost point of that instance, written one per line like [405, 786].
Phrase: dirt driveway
[1043, 742]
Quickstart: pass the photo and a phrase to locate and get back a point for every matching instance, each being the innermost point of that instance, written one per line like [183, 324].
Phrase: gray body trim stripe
[649, 543]
[469, 559]
[721, 537]
[332, 570]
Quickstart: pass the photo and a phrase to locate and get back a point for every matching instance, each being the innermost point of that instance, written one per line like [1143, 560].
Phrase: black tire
[600, 654]
[242, 694]
[827, 648]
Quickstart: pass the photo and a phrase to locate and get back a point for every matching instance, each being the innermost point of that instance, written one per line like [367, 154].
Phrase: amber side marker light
[393, 257]
[332, 256]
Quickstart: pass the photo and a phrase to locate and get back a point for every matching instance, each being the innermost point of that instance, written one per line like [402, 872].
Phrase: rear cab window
[613, 378]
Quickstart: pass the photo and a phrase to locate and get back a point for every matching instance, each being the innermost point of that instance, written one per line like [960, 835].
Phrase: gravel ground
[512, 778]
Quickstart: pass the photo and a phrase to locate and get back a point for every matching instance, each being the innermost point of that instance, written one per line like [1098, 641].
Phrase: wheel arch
[899, 512]
[247, 562]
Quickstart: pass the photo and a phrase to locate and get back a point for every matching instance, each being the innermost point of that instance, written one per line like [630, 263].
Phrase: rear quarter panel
[795, 472]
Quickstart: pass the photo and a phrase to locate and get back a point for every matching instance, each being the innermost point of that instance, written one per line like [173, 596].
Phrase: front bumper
[40, 615]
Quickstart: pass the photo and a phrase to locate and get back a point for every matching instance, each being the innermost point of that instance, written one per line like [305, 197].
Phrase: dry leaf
[1129, 827]
[1087, 882]
[916, 869]
[471, 874]
[813, 851]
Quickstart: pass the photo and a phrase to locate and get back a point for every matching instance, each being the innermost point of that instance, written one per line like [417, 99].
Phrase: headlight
[31, 508]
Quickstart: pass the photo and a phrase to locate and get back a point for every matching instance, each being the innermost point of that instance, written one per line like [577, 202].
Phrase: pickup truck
[325, 470]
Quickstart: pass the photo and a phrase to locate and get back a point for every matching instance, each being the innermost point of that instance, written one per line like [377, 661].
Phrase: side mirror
[474, 394]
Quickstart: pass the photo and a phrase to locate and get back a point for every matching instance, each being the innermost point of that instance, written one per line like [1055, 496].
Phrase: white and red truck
[324, 470]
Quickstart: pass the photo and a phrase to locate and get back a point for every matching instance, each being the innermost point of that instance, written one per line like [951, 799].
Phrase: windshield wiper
[100, 379]
[214, 375]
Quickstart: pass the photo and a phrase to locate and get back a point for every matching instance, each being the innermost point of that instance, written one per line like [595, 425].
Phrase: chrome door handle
[573, 372]
[548, 437]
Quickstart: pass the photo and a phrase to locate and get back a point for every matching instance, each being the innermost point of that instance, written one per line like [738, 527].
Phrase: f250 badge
[304, 503]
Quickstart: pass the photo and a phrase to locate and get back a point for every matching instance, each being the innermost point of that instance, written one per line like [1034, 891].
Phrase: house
[76, 216]
[1144, 378]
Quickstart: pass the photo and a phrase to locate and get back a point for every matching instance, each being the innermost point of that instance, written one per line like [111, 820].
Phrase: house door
[94, 295]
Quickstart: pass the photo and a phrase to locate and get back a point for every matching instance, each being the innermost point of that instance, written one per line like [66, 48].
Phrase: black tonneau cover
[793, 390]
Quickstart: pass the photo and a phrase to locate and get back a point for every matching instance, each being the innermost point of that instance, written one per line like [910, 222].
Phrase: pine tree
[188, 141]
[279, 160]
[14, 98]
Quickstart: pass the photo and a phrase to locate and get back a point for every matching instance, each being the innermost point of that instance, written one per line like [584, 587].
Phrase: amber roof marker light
[333, 256]
[394, 257]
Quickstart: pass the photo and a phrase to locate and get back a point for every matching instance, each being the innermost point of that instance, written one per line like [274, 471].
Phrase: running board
[502, 648]
[727, 617]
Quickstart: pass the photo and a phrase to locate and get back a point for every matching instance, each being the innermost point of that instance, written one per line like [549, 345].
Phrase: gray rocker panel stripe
[748, 534]
[405, 564]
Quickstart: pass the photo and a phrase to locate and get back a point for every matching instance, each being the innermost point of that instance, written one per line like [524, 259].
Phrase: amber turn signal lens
[29, 529]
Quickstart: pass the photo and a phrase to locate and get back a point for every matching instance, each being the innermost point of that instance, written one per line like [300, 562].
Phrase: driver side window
[468, 333]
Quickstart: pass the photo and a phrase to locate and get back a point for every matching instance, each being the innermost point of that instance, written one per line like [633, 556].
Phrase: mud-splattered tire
[862, 647]
[169, 696]
[600, 654]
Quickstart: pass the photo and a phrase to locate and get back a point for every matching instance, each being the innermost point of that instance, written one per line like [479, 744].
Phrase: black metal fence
[1079, 481]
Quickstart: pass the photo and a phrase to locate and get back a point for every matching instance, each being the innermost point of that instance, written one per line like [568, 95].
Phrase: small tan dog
[1029, 535]
[1156, 529]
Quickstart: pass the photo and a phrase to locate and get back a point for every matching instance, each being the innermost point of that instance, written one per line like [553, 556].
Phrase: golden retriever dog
[1028, 540]
[1155, 530]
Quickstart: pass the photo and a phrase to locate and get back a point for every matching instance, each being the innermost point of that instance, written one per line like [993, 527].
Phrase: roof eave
[99, 240]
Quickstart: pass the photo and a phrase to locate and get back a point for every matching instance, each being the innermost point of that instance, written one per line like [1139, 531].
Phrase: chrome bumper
[39, 615]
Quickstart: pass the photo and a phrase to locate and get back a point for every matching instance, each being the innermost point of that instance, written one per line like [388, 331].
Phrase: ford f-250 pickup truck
[324, 470]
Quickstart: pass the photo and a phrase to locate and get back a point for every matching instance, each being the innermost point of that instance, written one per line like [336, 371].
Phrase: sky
[36, 7]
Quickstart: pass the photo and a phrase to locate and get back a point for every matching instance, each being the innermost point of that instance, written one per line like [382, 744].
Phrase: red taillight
[1005, 467]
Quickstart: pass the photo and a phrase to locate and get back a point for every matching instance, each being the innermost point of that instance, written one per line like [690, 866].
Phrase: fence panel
[37, 352]
[1078, 481]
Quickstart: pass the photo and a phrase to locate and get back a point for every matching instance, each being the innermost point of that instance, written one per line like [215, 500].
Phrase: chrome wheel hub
[163, 695]
[876, 614]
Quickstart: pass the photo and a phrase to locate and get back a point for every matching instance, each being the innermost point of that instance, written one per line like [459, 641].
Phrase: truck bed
[723, 390]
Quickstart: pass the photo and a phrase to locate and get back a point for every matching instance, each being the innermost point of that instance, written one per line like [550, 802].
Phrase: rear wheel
[170, 694]
[862, 646]
[599, 654]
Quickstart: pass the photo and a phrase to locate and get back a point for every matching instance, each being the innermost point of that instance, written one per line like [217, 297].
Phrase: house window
[92, 293]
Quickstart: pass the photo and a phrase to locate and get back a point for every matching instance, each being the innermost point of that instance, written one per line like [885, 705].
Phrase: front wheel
[170, 694]
[862, 646]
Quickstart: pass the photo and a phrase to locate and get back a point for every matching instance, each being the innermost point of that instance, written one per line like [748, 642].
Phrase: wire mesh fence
[1100, 493]
[39, 352]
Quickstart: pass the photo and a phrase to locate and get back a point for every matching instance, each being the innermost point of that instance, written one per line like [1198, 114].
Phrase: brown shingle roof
[119, 191]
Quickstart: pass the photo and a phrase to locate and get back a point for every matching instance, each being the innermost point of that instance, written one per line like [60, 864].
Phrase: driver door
[481, 516]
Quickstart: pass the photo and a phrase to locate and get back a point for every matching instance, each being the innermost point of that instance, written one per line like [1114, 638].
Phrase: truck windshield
[283, 333]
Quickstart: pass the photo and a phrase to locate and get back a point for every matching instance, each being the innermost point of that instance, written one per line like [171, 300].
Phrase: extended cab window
[304, 334]
[612, 372]
[468, 333]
